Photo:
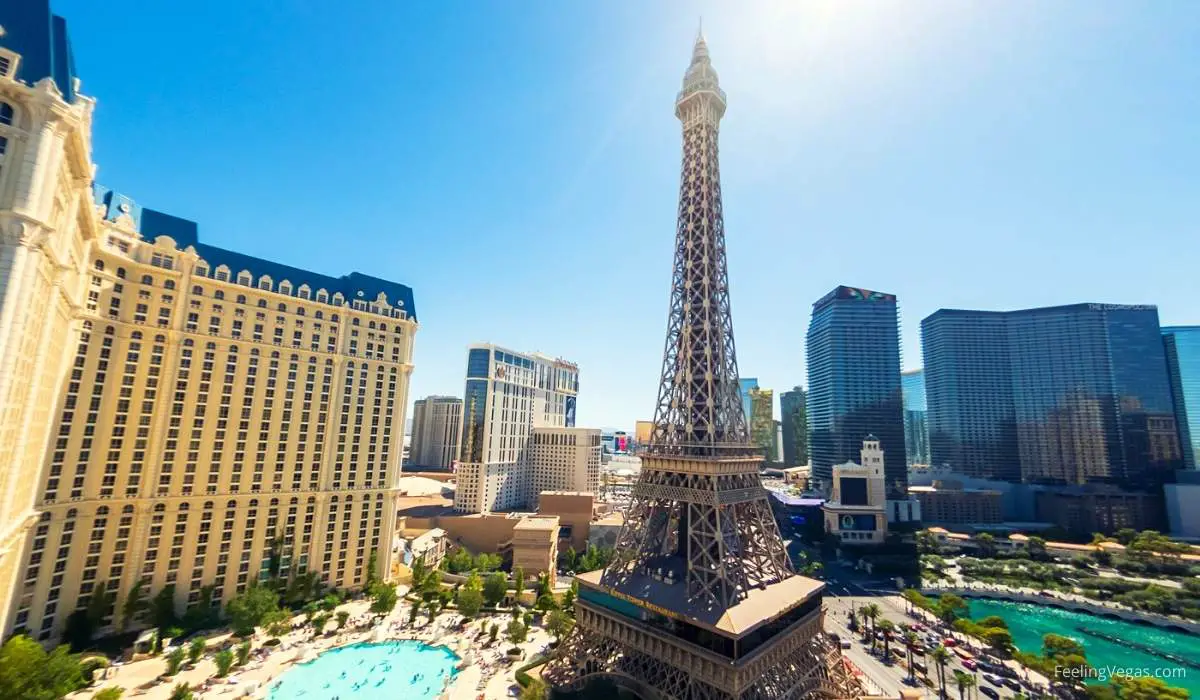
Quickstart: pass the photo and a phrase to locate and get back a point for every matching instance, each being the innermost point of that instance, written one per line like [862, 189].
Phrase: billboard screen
[621, 443]
[854, 491]
[570, 411]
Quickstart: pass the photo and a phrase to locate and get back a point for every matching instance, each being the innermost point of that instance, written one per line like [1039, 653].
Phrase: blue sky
[517, 164]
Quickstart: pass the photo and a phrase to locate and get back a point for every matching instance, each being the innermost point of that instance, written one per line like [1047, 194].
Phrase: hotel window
[6, 110]
[264, 283]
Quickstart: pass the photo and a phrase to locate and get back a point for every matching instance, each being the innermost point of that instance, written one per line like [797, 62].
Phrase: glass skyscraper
[745, 384]
[854, 383]
[916, 426]
[1062, 395]
[794, 414]
[1182, 344]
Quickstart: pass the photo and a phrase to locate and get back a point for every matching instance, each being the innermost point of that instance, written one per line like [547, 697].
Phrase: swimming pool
[399, 669]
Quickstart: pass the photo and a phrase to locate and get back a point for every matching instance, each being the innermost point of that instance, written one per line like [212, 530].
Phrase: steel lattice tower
[701, 601]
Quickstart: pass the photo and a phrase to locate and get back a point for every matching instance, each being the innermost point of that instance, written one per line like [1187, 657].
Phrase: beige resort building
[170, 407]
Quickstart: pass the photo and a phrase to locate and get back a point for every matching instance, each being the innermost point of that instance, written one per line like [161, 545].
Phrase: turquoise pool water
[400, 669]
[1028, 623]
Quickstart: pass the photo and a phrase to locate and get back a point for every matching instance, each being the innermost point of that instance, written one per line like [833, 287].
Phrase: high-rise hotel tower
[510, 397]
[173, 411]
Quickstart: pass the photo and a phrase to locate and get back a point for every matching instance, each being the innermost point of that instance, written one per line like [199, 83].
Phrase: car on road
[994, 680]
[949, 642]
[990, 692]
[1012, 683]
[845, 644]
[970, 664]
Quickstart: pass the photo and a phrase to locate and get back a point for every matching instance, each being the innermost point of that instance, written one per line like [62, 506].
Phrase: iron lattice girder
[699, 402]
[802, 663]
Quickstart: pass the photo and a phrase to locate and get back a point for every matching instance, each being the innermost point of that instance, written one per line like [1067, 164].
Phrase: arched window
[264, 283]
[304, 292]
[6, 113]
[219, 295]
[241, 298]
[147, 279]
[262, 303]
[285, 287]
[121, 272]
[169, 284]
[198, 290]
[244, 278]
[99, 265]
[322, 296]
[282, 307]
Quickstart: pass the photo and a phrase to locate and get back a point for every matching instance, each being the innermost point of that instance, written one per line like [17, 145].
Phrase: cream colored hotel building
[170, 407]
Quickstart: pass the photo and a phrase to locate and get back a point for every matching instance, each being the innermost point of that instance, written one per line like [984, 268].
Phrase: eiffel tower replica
[701, 601]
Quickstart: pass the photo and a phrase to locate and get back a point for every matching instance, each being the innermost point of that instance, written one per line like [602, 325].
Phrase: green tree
[195, 651]
[224, 661]
[493, 632]
[78, 631]
[516, 632]
[329, 603]
[372, 574]
[201, 615]
[964, 681]
[460, 561]
[545, 603]
[987, 544]
[419, 573]
[1037, 548]
[469, 601]
[243, 653]
[181, 692]
[568, 601]
[950, 608]
[246, 611]
[870, 612]
[940, 656]
[27, 672]
[162, 608]
[135, 603]
[1143, 688]
[319, 621]
[383, 598]
[887, 627]
[1126, 536]
[518, 575]
[997, 638]
[175, 660]
[342, 617]
[544, 585]
[110, 693]
[535, 689]
[494, 588]
[276, 623]
[910, 644]
[559, 624]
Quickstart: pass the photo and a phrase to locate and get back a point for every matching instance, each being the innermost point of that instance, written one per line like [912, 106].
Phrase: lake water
[1028, 623]
[399, 669]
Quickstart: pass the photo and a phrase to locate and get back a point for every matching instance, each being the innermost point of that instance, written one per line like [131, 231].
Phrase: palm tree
[871, 612]
[964, 681]
[940, 656]
[910, 643]
[888, 627]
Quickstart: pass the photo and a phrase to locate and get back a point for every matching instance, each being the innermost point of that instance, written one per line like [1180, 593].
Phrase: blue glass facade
[854, 382]
[1182, 345]
[475, 406]
[745, 384]
[1063, 395]
[40, 37]
[916, 427]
